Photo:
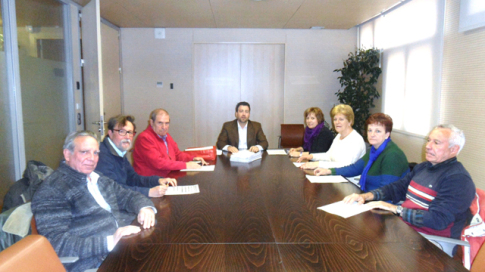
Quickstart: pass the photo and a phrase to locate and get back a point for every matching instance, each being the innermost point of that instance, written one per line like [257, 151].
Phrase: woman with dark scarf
[317, 138]
[384, 164]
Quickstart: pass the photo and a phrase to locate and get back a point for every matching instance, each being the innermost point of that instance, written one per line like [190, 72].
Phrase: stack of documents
[245, 156]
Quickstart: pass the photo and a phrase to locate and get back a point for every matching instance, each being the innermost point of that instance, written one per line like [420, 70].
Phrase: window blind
[411, 38]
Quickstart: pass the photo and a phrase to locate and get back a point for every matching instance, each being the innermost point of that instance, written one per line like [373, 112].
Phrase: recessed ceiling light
[317, 27]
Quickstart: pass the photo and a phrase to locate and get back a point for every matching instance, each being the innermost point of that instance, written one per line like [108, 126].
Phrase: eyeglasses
[123, 132]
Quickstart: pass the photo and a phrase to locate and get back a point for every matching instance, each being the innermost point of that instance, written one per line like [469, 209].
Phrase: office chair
[291, 135]
[32, 253]
[473, 236]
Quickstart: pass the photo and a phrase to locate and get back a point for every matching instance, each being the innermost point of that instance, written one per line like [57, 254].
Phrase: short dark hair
[243, 103]
[380, 119]
[121, 120]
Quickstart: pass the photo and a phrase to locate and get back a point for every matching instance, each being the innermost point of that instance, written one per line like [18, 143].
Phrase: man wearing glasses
[114, 164]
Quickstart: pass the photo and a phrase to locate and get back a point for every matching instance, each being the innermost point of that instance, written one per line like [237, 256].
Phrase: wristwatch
[399, 210]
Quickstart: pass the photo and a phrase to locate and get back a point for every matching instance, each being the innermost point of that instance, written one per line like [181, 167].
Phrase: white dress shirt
[243, 138]
[92, 181]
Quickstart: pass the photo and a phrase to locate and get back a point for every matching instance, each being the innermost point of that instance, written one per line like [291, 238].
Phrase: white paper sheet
[298, 164]
[326, 179]
[199, 148]
[276, 152]
[183, 190]
[219, 152]
[204, 168]
[345, 210]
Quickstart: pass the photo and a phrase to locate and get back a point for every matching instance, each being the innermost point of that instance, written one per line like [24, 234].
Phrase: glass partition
[7, 164]
[43, 78]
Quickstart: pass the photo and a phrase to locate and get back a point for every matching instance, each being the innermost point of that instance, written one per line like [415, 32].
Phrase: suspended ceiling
[278, 14]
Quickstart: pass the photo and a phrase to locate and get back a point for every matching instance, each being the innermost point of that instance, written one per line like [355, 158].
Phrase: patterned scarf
[374, 154]
[310, 134]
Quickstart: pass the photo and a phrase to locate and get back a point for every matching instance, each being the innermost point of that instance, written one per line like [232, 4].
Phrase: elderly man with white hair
[437, 194]
[82, 213]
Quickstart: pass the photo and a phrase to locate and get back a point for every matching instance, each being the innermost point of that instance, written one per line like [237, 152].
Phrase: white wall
[311, 57]
[462, 89]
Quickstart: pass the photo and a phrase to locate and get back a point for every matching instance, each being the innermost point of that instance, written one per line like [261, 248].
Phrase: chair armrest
[445, 240]
[33, 253]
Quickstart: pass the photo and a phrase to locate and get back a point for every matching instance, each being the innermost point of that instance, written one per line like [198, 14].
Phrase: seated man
[83, 214]
[156, 153]
[114, 164]
[437, 194]
[241, 133]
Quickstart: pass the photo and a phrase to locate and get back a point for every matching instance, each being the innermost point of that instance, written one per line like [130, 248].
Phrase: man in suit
[242, 134]
[82, 213]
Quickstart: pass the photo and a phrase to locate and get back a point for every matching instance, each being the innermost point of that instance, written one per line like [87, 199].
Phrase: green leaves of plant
[358, 78]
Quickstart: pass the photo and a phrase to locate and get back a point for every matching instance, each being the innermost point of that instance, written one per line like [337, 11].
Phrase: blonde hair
[345, 110]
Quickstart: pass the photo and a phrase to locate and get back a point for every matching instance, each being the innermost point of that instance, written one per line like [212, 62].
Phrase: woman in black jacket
[318, 138]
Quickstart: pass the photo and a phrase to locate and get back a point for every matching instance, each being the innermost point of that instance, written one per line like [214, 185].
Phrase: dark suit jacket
[229, 135]
[120, 170]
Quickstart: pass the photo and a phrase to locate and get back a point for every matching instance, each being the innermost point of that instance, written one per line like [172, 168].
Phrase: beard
[122, 148]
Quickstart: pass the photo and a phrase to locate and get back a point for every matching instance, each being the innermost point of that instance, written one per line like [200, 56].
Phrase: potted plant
[358, 78]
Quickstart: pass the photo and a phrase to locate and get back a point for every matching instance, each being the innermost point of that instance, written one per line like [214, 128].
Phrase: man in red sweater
[156, 153]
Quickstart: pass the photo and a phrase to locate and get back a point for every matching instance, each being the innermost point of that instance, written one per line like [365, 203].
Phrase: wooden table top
[263, 216]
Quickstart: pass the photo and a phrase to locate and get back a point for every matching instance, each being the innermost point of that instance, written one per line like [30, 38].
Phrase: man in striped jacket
[437, 194]
[82, 213]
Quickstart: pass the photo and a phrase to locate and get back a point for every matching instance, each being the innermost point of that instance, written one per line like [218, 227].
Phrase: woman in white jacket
[347, 147]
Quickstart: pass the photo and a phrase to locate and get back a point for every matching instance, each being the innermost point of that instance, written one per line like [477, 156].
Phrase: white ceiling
[278, 14]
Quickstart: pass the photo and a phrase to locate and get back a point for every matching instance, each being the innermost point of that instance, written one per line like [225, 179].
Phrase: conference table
[263, 216]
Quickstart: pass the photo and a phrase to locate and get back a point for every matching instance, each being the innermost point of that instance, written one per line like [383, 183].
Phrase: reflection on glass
[40, 31]
[7, 167]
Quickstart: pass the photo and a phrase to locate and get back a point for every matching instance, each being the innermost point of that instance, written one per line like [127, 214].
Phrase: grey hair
[457, 136]
[69, 142]
[154, 113]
